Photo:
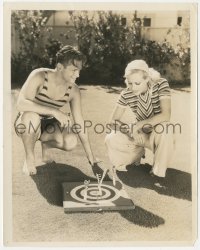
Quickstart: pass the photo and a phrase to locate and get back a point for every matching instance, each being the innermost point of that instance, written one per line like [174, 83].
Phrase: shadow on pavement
[50, 177]
[142, 217]
[176, 183]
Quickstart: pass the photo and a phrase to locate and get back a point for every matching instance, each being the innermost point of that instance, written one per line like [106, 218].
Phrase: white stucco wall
[59, 18]
[159, 19]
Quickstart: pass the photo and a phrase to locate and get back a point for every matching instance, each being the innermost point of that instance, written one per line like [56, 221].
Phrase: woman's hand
[139, 139]
[137, 135]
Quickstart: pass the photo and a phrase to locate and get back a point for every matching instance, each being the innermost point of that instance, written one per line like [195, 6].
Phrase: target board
[110, 198]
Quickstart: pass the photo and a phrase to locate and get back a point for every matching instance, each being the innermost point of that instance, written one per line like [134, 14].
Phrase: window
[123, 21]
[138, 19]
[179, 20]
[146, 22]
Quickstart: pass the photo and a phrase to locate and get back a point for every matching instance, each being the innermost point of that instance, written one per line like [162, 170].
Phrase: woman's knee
[114, 140]
[165, 138]
[69, 142]
[164, 129]
[107, 139]
[111, 138]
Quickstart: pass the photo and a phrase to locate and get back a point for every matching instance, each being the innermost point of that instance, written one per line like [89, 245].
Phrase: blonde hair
[153, 75]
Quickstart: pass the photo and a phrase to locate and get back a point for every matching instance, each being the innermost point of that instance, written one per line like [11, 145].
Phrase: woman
[149, 98]
[40, 101]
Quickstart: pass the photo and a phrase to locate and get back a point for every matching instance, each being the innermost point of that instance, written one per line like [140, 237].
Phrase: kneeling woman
[40, 101]
[148, 96]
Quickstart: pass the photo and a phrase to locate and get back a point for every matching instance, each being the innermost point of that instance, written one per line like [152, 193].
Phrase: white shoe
[121, 168]
[137, 163]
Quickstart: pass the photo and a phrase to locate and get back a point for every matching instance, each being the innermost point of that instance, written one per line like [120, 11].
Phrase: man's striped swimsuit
[43, 99]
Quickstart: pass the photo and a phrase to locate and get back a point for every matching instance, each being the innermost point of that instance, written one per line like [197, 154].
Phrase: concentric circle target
[108, 193]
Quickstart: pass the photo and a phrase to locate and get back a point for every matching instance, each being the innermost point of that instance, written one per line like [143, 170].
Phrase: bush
[51, 48]
[21, 66]
[28, 24]
[109, 45]
[107, 42]
[33, 53]
[104, 44]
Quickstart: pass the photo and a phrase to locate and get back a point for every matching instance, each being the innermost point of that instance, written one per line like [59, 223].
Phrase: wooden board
[109, 198]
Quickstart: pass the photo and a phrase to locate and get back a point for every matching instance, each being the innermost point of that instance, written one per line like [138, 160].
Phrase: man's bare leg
[50, 140]
[64, 141]
[29, 138]
[46, 157]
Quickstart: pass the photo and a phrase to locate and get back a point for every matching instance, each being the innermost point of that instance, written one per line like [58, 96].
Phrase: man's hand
[97, 170]
[62, 118]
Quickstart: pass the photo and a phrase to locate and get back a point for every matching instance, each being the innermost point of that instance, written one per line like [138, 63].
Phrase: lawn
[161, 213]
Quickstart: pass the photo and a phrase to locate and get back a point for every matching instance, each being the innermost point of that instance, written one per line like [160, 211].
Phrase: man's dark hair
[69, 54]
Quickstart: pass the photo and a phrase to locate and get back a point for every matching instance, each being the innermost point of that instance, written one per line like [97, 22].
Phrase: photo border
[7, 106]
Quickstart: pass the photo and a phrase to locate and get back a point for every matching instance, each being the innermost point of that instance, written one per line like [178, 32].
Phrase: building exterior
[155, 25]
[159, 26]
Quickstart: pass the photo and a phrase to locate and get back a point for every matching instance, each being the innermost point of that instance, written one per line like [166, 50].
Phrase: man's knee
[30, 116]
[30, 123]
[69, 142]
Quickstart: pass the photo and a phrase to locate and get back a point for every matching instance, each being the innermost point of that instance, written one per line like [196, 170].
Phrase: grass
[161, 214]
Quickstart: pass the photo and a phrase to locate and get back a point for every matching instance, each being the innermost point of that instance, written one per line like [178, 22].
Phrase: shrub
[103, 40]
[33, 52]
[109, 45]
[107, 42]
[28, 25]
[51, 48]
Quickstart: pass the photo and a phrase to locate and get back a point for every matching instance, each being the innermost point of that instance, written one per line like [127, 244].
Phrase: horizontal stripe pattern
[148, 104]
[48, 102]
[43, 98]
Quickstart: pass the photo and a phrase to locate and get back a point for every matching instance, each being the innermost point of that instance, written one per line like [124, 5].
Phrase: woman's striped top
[43, 98]
[147, 104]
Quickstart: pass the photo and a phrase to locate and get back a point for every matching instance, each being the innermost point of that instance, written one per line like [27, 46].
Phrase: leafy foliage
[51, 48]
[28, 24]
[109, 45]
[107, 42]
[33, 53]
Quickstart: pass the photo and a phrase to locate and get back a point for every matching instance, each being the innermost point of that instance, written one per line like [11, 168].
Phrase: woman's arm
[115, 119]
[75, 105]
[164, 116]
